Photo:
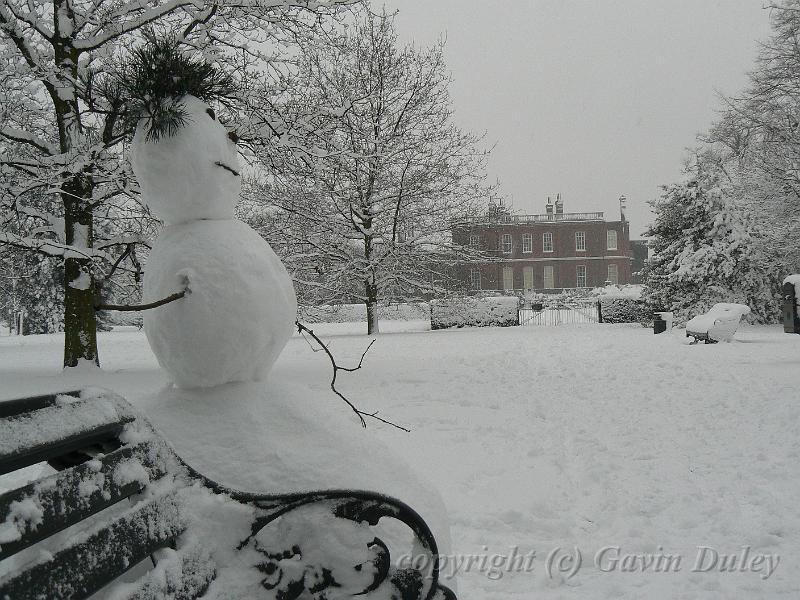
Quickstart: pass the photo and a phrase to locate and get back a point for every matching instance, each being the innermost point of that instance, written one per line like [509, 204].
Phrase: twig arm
[137, 307]
[336, 368]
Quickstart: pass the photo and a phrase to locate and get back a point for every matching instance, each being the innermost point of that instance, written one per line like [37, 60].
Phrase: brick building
[546, 252]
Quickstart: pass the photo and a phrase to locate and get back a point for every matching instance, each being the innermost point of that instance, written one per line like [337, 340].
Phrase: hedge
[624, 309]
[497, 311]
[357, 313]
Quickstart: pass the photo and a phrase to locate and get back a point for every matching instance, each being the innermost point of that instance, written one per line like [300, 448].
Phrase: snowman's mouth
[227, 168]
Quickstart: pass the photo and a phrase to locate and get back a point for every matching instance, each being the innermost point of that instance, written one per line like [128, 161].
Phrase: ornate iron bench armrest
[131, 496]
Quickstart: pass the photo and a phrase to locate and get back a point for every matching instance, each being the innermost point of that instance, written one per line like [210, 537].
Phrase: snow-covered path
[567, 437]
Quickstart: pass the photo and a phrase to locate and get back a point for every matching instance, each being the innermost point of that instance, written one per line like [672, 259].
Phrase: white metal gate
[560, 312]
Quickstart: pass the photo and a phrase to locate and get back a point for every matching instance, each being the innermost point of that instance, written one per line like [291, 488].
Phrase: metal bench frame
[86, 436]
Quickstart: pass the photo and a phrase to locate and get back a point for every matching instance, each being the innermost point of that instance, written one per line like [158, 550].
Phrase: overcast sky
[592, 99]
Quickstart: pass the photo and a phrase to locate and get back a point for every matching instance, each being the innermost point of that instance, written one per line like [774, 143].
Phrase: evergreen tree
[705, 251]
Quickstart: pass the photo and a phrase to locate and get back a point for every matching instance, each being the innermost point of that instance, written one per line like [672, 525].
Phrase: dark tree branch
[336, 368]
[200, 21]
[137, 307]
[117, 263]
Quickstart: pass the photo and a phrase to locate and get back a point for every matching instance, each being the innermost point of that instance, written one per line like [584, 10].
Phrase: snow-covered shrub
[126, 319]
[623, 304]
[499, 311]
[624, 309]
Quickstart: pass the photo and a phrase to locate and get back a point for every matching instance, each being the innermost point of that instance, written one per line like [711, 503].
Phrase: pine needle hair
[158, 75]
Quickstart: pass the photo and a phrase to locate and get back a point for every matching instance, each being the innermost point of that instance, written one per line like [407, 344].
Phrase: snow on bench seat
[718, 324]
[69, 424]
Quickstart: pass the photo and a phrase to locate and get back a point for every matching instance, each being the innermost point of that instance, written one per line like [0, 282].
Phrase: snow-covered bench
[718, 324]
[124, 508]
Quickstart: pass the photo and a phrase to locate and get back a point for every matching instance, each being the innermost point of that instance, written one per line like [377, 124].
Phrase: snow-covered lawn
[562, 437]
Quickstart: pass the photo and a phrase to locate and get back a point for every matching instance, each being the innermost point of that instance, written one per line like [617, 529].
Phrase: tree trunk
[372, 308]
[80, 326]
[371, 285]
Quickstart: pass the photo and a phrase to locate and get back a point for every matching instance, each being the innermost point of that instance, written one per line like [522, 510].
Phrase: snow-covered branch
[32, 18]
[10, 26]
[51, 248]
[129, 17]
[18, 135]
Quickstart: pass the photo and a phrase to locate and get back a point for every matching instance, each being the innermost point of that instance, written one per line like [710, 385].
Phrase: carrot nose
[233, 137]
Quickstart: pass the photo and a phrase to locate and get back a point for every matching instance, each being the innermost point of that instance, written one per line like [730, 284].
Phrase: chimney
[622, 206]
[549, 208]
[559, 205]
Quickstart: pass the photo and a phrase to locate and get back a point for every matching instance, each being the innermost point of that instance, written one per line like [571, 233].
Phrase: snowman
[239, 305]
[221, 338]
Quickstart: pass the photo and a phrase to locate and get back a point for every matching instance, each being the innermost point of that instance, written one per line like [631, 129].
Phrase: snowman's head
[191, 174]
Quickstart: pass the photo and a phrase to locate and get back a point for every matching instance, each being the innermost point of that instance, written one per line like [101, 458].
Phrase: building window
[549, 279]
[613, 274]
[527, 279]
[474, 279]
[611, 238]
[475, 242]
[506, 243]
[508, 278]
[580, 240]
[581, 279]
[527, 242]
[547, 242]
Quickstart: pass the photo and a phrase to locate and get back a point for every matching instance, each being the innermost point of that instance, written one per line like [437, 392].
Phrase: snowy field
[556, 439]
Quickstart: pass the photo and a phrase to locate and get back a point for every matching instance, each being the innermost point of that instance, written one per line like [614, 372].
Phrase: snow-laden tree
[773, 210]
[705, 250]
[756, 141]
[762, 124]
[65, 189]
[366, 216]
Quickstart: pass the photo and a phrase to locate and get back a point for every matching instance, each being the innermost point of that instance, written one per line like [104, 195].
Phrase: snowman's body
[240, 306]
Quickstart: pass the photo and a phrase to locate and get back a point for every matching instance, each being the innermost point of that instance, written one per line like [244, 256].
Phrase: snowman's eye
[211, 113]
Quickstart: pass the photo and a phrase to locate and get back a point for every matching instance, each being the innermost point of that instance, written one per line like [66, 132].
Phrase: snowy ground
[552, 439]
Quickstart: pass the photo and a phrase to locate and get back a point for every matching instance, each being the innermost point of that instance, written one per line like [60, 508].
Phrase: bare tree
[367, 215]
[64, 180]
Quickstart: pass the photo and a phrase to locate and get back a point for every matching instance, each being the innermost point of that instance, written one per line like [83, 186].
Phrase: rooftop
[505, 219]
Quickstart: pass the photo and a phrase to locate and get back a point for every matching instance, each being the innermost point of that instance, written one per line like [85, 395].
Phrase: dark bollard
[791, 320]
[659, 324]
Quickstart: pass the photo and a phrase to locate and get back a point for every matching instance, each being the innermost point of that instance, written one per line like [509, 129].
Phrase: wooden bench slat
[39, 435]
[66, 498]
[10, 408]
[100, 556]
